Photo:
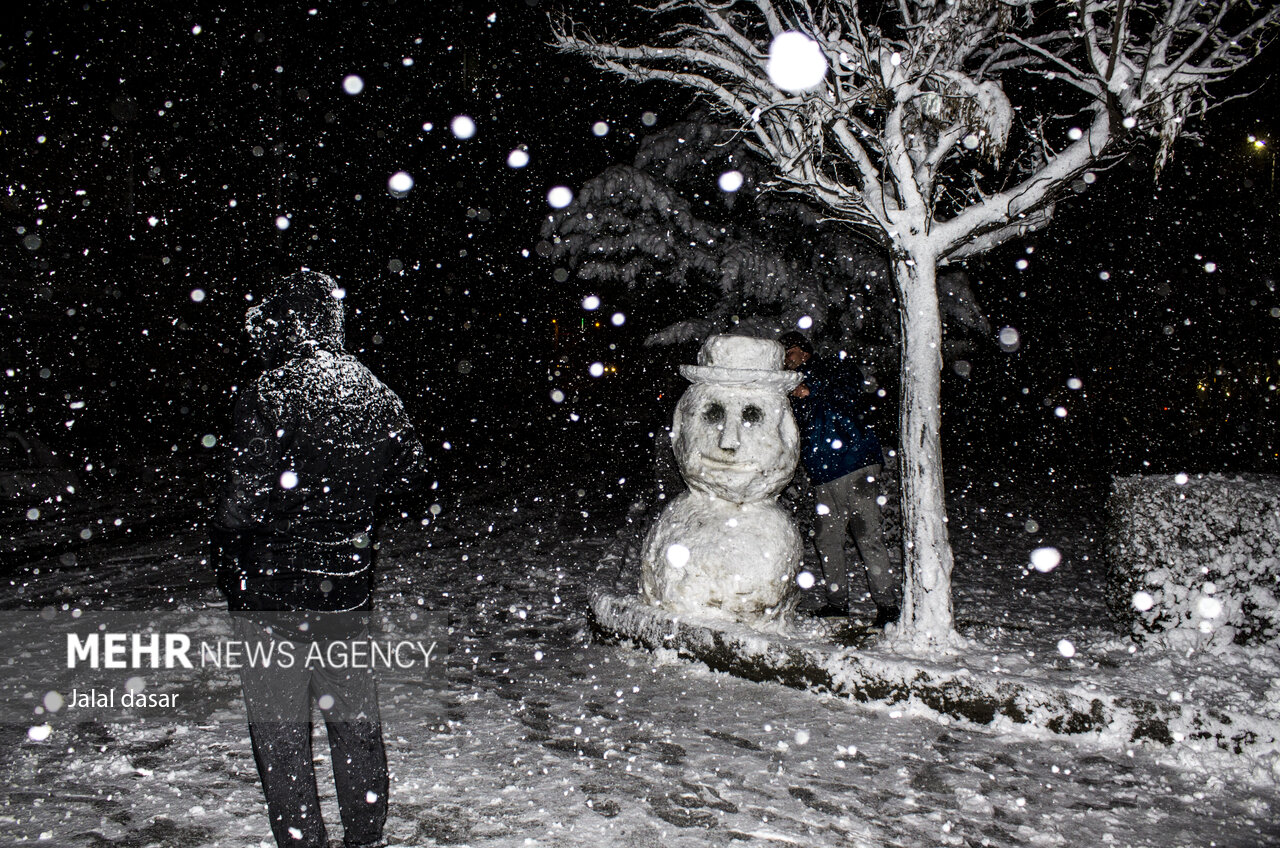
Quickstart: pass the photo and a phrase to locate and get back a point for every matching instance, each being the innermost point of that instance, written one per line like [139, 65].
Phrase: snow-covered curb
[952, 690]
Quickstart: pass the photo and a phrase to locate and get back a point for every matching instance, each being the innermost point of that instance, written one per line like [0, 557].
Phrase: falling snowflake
[400, 183]
[463, 126]
[559, 197]
[796, 63]
[731, 181]
[1045, 559]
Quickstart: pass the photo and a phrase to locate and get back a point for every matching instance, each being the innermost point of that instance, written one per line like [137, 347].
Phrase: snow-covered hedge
[1194, 557]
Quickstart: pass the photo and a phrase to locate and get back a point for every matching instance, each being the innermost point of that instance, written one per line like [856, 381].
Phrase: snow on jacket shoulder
[317, 441]
[833, 421]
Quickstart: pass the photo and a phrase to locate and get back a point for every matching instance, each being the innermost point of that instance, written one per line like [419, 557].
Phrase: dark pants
[851, 504]
[279, 703]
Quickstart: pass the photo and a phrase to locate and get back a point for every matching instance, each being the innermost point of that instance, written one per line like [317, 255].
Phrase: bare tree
[909, 132]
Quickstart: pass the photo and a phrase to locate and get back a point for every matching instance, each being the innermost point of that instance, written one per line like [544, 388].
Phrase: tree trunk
[926, 621]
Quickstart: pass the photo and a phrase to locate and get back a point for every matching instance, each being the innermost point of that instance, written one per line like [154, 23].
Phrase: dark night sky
[148, 150]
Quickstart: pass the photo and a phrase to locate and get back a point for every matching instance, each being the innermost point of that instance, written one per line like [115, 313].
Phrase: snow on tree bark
[926, 620]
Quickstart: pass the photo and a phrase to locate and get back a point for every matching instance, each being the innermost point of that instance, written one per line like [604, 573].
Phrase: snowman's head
[739, 443]
[733, 432]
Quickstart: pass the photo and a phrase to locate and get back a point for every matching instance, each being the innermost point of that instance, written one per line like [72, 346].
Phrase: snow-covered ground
[544, 737]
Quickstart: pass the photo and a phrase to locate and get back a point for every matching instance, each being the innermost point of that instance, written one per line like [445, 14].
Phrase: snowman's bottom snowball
[712, 557]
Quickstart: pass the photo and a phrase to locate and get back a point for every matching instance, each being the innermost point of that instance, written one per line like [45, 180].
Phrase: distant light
[400, 183]
[463, 126]
[518, 158]
[596, 369]
[795, 62]
[1259, 143]
[618, 319]
[282, 222]
[731, 181]
[352, 84]
[591, 302]
[600, 129]
[559, 197]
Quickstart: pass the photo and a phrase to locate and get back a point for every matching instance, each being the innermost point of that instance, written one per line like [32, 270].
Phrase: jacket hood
[303, 310]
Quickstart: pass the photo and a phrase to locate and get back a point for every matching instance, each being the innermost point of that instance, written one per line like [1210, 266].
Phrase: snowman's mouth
[727, 463]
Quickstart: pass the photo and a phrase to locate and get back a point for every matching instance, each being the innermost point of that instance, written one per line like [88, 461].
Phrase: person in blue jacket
[842, 457]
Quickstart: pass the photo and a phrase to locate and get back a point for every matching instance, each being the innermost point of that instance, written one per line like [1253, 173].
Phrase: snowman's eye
[752, 415]
[714, 413]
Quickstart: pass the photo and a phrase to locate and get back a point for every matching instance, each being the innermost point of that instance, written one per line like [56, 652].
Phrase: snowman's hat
[742, 361]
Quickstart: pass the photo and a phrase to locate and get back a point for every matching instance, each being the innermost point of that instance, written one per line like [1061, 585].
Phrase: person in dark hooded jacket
[843, 458]
[318, 440]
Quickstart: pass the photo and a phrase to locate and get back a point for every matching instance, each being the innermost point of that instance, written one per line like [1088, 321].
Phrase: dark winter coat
[318, 439]
[833, 419]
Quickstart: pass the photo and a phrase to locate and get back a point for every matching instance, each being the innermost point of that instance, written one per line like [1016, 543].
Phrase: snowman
[725, 548]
